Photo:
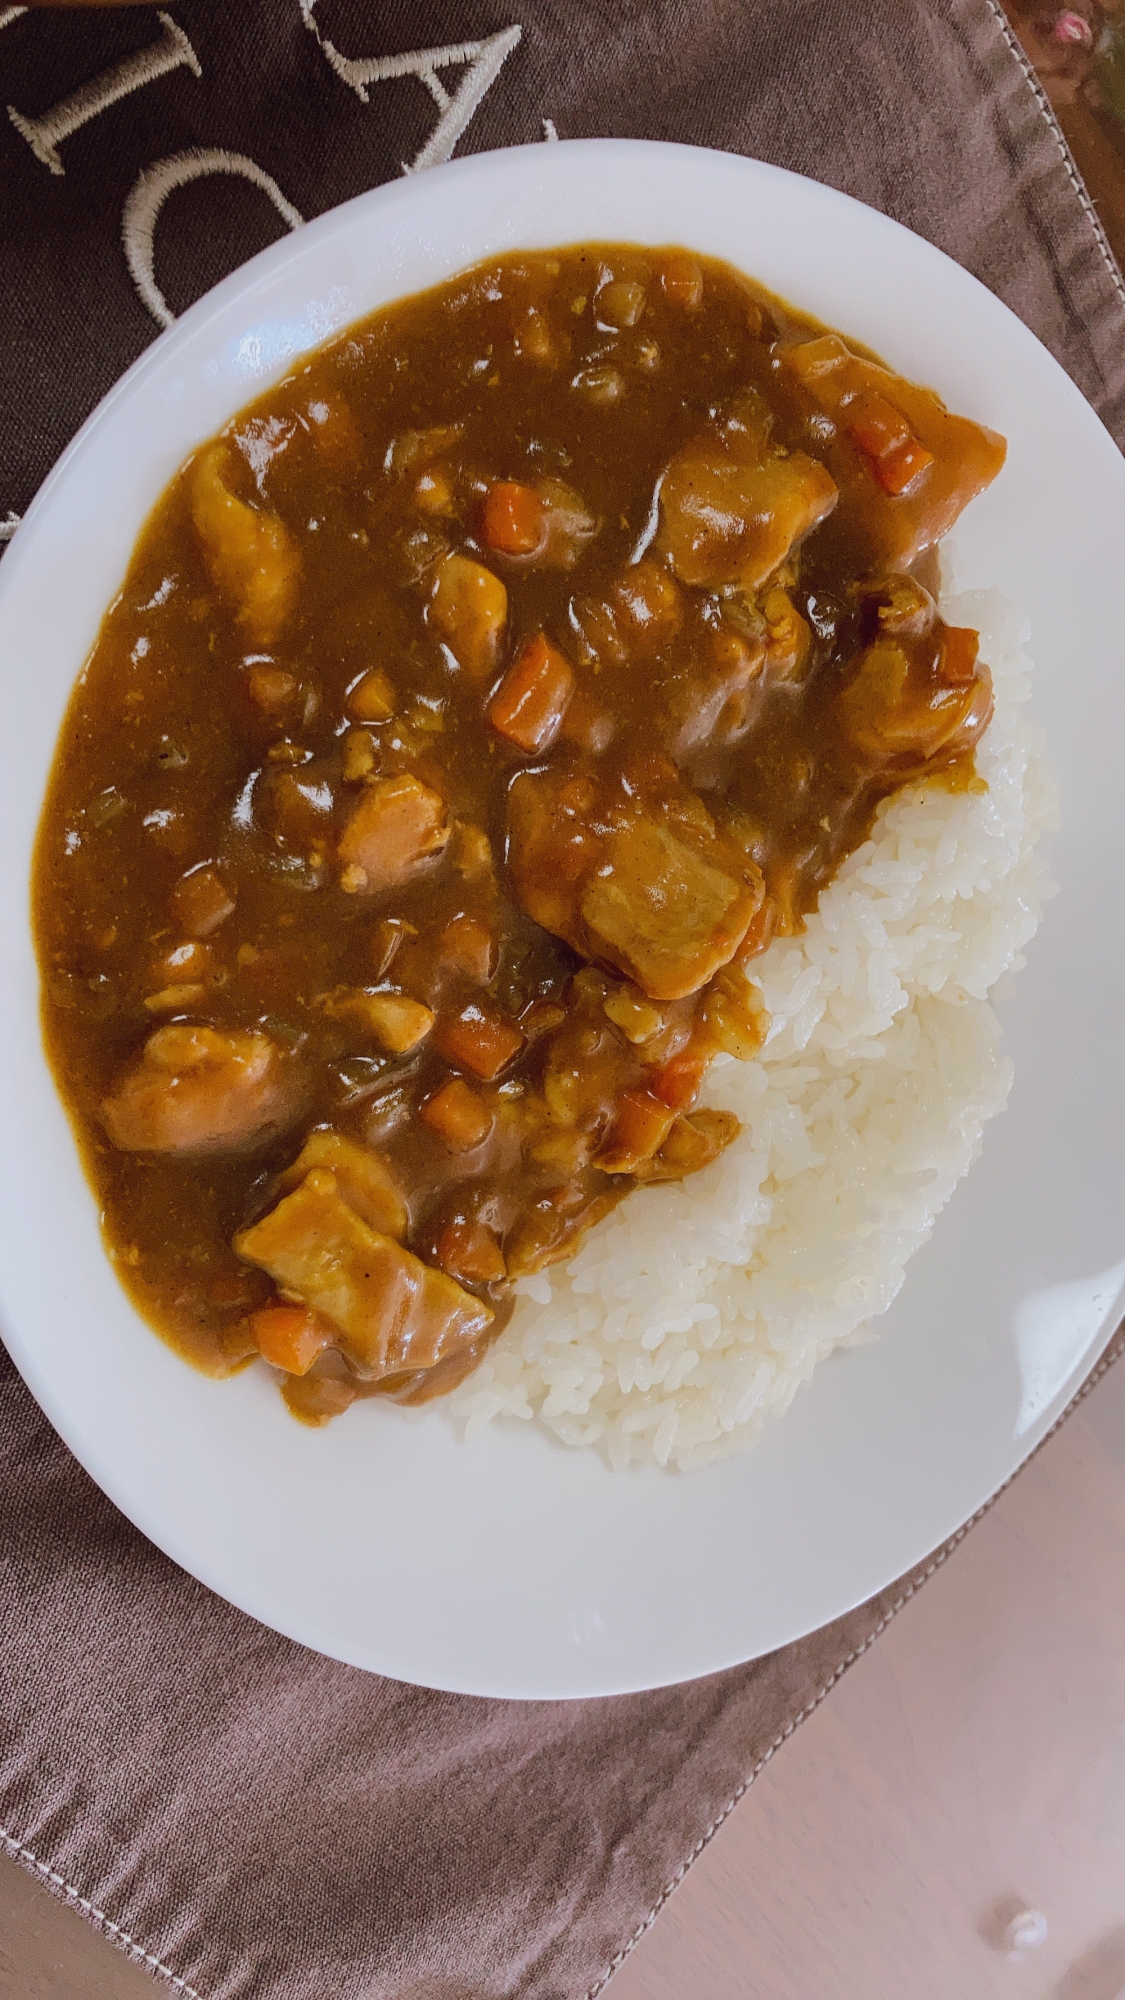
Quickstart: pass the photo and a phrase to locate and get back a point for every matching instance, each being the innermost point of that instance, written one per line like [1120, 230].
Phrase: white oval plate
[508, 1565]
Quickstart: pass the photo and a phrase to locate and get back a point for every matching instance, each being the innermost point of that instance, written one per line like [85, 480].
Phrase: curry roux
[473, 710]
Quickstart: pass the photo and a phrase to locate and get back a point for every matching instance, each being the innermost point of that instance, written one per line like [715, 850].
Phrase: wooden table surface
[973, 1762]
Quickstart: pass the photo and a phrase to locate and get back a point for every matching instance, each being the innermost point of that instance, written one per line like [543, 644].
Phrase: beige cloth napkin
[249, 1820]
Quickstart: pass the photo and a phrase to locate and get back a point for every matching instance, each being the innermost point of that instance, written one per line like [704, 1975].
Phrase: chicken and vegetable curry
[474, 710]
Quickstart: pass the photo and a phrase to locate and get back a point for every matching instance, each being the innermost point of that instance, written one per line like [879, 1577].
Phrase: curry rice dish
[493, 724]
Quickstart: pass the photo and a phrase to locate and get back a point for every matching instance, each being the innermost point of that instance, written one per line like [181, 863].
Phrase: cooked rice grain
[696, 1310]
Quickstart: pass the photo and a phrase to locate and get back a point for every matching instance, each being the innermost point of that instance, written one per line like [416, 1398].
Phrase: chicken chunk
[692, 1144]
[895, 711]
[393, 1312]
[905, 465]
[363, 1178]
[203, 1090]
[468, 609]
[393, 1020]
[636, 621]
[732, 506]
[247, 548]
[663, 913]
[570, 525]
[651, 887]
[711, 704]
[398, 824]
[916, 690]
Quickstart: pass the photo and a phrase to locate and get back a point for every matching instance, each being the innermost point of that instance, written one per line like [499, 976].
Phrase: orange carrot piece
[874, 424]
[898, 469]
[458, 1116]
[959, 648]
[884, 435]
[291, 1337]
[477, 1039]
[640, 1128]
[677, 1084]
[760, 932]
[533, 696]
[515, 519]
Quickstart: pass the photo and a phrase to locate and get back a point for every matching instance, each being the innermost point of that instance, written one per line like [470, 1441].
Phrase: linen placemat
[247, 1819]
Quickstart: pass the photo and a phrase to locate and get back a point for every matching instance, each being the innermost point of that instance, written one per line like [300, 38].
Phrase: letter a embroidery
[482, 62]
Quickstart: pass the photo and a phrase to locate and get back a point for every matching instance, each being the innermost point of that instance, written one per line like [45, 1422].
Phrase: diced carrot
[898, 469]
[469, 1250]
[532, 698]
[874, 424]
[477, 1039]
[640, 1128]
[291, 1337]
[458, 1116]
[468, 946]
[884, 435]
[201, 902]
[682, 280]
[515, 520]
[959, 648]
[677, 1084]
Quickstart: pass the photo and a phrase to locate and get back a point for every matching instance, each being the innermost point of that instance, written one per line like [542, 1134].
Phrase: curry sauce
[473, 712]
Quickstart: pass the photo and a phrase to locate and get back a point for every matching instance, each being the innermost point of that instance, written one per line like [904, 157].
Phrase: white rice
[696, 1310]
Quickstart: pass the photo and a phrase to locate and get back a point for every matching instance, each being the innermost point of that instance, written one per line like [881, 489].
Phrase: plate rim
[241, 283]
